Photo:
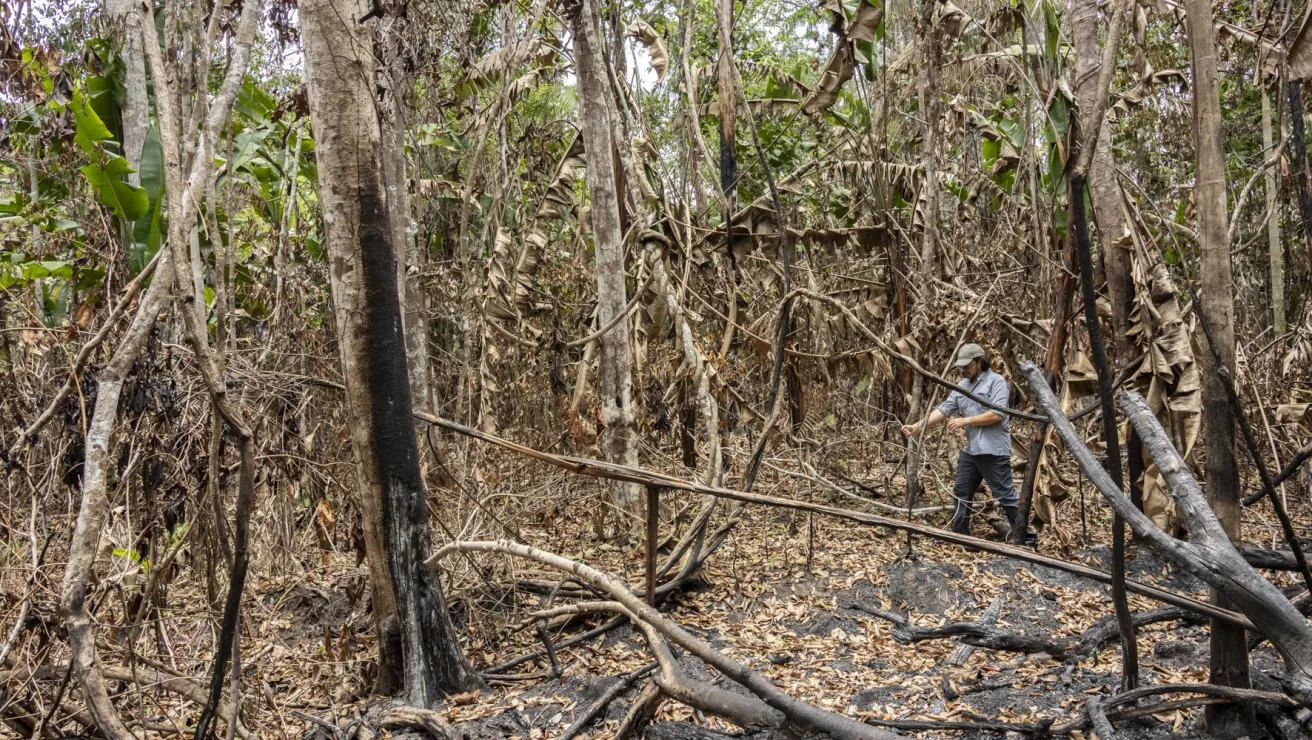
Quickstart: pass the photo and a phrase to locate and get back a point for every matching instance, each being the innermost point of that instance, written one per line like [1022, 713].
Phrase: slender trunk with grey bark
[1229, 662]
[417, 640]
[1302, 170]
[1275, 250]
[617, 413]
[135, 113]
[94, 510]
[1104, 190]
[930, 52]
[728, 121]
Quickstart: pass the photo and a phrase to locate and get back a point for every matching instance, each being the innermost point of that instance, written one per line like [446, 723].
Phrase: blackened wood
[1302, 175]
[1211, 556]
[1111, 436]
[1254, 451]
[620, 686]
[433, 662]
[1098, 718]
[653, 527]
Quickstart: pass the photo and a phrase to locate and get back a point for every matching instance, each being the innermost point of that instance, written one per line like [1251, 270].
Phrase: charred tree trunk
[1111, 436]
[358, 235]
[1229, 663]
[1302, 173]
[617, 411]
[728, 122]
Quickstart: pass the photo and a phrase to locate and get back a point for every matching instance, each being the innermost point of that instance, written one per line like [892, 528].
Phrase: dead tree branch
[619, 687]
[798, 713]
[1209, 555]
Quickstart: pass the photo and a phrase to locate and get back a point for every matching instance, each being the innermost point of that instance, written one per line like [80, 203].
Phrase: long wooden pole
[615, 471]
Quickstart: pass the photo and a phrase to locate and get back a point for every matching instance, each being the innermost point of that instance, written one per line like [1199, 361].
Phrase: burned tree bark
[1209, 554]
[1229, 663]
[1302, 169]
[410, 608]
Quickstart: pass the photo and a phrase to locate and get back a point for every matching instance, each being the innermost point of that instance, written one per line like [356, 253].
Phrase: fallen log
[799, 714]
[1266, 558]
[1208, 555]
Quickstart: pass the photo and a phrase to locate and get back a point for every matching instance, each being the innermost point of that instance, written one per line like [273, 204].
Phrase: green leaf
[134, 556]
[253, 102]
[1052, 31]
[152, 165]
[61, 225]
[989, 149]
[45, 269]
[128, 202]
[103, 94]
[1059, 115]
[146, 236]
[89, 129]
[89, 278]
[1012, 128]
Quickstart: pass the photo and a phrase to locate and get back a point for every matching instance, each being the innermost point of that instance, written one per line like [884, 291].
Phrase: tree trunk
[728, 120]
[409, 606]
[1229, 663]
[1103, 188]
[1302, 176]
[617, 412]
[136, 105]
[411, 255]
[409, 285]
[929, 56]
[1275, 250]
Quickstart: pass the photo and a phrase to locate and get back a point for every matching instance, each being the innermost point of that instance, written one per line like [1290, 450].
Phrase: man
[987, 454]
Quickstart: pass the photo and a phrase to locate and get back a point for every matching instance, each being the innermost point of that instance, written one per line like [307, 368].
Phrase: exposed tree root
[425, 719]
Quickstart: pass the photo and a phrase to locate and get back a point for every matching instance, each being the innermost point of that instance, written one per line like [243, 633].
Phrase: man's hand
[910, 429]
[958, 423]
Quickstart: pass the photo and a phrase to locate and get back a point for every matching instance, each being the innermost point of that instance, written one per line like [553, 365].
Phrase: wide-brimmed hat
[967, 353]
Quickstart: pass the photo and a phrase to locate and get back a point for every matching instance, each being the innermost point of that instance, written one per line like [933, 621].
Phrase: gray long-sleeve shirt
[994, 439]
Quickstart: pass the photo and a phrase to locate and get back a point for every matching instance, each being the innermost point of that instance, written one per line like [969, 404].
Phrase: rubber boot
[1031, 537]
[1012, 513]
[961, 522]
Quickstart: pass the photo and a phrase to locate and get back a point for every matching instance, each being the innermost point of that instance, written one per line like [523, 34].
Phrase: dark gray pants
[993, 469]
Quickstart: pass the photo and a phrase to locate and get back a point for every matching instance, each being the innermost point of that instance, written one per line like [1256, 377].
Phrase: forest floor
[778, 596]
